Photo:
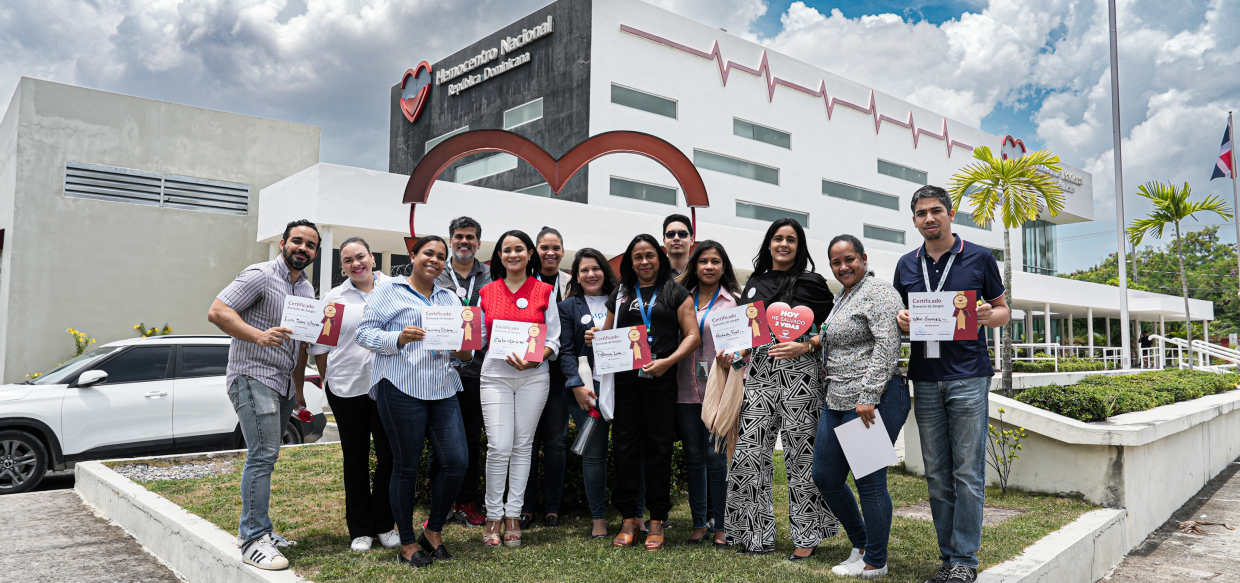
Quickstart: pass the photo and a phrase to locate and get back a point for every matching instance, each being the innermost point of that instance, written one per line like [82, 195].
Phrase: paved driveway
[51, 536]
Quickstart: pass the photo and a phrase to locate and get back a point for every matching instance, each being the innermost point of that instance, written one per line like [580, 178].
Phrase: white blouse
[348, 363]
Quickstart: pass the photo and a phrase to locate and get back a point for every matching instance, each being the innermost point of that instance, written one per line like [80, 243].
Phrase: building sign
[1013, 148]
[506, 46]
[413, 95]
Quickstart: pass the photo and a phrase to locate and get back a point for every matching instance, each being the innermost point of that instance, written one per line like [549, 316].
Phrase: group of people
[383, 386]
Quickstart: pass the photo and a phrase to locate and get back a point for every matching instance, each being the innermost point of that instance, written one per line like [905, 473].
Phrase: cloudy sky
[1037, 69]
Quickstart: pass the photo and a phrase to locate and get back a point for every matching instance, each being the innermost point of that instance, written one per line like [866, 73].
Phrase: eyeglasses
[676, 235]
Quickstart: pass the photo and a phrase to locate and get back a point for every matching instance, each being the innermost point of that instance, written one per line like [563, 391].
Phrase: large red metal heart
[555, 172]
[789, 323]
[412, 107]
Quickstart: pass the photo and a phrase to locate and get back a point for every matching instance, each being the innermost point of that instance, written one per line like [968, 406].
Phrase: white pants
[511, 409]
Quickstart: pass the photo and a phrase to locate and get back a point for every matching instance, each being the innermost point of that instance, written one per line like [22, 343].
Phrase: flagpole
[1125, 344]
[1235, 193]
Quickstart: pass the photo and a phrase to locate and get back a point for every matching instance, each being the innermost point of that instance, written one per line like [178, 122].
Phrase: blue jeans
[831, 475]
[594, 460]
[952, 420]
[262, 413]
[409, 423]
[552, 437]
[708, 469]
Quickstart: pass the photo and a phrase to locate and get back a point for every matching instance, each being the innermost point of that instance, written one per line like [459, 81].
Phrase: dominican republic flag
[1222, 166]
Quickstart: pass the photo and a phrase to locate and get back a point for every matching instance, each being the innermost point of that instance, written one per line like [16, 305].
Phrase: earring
[344, 273]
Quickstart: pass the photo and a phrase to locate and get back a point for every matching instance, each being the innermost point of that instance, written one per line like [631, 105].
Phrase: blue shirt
[422, 374]
[974, 269]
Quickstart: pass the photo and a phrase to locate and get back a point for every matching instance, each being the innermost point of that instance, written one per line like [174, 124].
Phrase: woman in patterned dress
[783, 396]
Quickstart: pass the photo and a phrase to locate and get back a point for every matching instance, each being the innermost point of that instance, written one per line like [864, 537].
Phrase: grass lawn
[308, 506]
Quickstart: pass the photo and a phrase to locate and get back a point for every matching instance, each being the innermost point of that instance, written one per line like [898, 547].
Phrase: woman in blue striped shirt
[415, 390]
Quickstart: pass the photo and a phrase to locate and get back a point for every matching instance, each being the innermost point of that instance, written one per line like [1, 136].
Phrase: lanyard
[925, 273]
[646, 311]
[839, 304]
[468, 294]
[702, 320]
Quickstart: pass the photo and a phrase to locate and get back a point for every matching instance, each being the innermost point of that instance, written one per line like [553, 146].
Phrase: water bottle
[584, 432]
[304, 414]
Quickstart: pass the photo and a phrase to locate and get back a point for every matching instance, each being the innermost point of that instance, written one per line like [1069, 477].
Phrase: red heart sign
[789, 323]
[412, 106]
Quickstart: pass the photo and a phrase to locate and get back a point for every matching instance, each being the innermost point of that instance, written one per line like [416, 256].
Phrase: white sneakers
[361, 544]
[853, 566]
[263, 554]
[390, 539]
[276, 539]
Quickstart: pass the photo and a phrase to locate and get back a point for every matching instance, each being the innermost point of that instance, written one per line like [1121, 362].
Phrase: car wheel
[23, 462]
[291, 435]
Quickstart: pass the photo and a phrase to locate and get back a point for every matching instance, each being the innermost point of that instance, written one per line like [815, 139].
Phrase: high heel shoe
[512, 532]
[627, 536]
[794, 557]
[439, 553]
[491, 534]
[654, 542]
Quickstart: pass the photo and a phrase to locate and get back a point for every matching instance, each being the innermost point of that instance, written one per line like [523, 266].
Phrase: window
[966, 219]
[145, 363]
[523, 114]
[203, 361]
[766, 213]
[431, 143]
[643, 101]
[543, 190]
[883, 234]
[735, 167]
[754, 131]
[853, 193]
[155, 189]
[643, 191]
[1039, 245]
[902, 172]
[485, 167]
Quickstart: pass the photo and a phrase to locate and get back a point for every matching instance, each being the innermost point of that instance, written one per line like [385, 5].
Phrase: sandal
[490, 535]
[654, 542]
[512, 532]
[627, 535]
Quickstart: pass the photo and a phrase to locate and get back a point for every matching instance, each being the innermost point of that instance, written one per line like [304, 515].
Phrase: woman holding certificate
[415, 391]
[783, 396]
[645, 397]
[712, 284]
[346, 372]
[861, 341]
[514, 383]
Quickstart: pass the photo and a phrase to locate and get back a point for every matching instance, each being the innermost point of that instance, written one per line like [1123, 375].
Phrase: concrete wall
[102, 267]
[8, 189]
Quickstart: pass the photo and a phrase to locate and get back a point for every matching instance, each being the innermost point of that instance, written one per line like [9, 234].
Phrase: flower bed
[1065, 365]
[1096, 398]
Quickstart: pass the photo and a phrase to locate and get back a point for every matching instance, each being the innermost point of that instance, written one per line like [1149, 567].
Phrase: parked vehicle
[138, 397]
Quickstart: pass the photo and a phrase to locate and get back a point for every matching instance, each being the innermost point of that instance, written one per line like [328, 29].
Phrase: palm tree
[1171, 206]
[1018, 189]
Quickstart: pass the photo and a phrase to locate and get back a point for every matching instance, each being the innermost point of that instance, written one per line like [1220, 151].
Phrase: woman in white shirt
[345, 370]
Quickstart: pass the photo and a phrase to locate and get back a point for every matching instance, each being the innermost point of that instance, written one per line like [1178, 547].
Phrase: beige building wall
[101, 266]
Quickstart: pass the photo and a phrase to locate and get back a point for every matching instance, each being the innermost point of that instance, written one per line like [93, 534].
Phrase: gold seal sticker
[635, 336]
[533, 340]
[467, 315]
[329, 312]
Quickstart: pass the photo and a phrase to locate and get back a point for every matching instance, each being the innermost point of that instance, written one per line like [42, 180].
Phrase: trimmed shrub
[1065, 365]
[1096, 398]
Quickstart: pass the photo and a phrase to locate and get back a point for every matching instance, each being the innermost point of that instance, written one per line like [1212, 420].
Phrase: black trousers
[367, 508]
[645, 419]
[471, 416]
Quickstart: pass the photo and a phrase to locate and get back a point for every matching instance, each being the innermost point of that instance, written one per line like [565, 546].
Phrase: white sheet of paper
[613, 351]
[867, 450]
[304, 316]
[930, 316]
[444, 327]
[730, 329]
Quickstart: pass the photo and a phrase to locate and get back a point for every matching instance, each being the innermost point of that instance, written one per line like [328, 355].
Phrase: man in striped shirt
[261, 360]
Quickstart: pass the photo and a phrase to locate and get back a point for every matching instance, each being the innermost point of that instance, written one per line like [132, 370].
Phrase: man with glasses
[677, 241]
[466, 276]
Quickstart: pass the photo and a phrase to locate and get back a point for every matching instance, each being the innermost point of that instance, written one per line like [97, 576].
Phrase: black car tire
[292, 436]
[23, 462]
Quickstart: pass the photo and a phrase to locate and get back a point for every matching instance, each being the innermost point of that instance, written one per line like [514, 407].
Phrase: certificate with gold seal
[620, 349]
[740, 328]
[311, 320]
[522, 339]
[452, 327]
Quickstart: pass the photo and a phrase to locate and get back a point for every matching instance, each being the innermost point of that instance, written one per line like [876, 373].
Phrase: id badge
[932, 349]
[642, 374]
[703, 370]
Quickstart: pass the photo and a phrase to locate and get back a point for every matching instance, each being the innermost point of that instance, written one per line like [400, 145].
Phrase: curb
[196, 550]
[1081, 552]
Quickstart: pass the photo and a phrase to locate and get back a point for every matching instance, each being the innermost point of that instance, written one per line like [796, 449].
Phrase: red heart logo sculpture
[412, 107]
[788, 323]
[555, 172]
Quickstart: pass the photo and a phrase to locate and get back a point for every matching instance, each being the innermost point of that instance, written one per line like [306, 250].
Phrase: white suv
[144, 396]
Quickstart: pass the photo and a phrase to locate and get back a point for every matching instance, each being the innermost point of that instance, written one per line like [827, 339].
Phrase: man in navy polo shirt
[951, 381]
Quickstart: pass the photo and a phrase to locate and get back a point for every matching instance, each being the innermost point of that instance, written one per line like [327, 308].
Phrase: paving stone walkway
[53, 537]
[1170, 555]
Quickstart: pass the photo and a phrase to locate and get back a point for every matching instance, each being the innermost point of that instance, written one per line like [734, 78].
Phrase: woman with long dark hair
[415, 391]
[712, 283]
[513, 390]
[783, 396]
[645, 399]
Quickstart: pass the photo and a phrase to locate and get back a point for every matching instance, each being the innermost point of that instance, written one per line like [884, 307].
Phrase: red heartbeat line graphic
[764, 68]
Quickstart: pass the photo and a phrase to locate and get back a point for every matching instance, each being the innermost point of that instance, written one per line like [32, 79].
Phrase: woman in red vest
[513, 388]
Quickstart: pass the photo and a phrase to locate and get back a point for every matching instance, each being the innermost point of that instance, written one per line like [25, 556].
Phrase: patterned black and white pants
[781, 398]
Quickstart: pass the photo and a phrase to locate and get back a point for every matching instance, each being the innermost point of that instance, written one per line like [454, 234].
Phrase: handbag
[721, 406]
[607, 382]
